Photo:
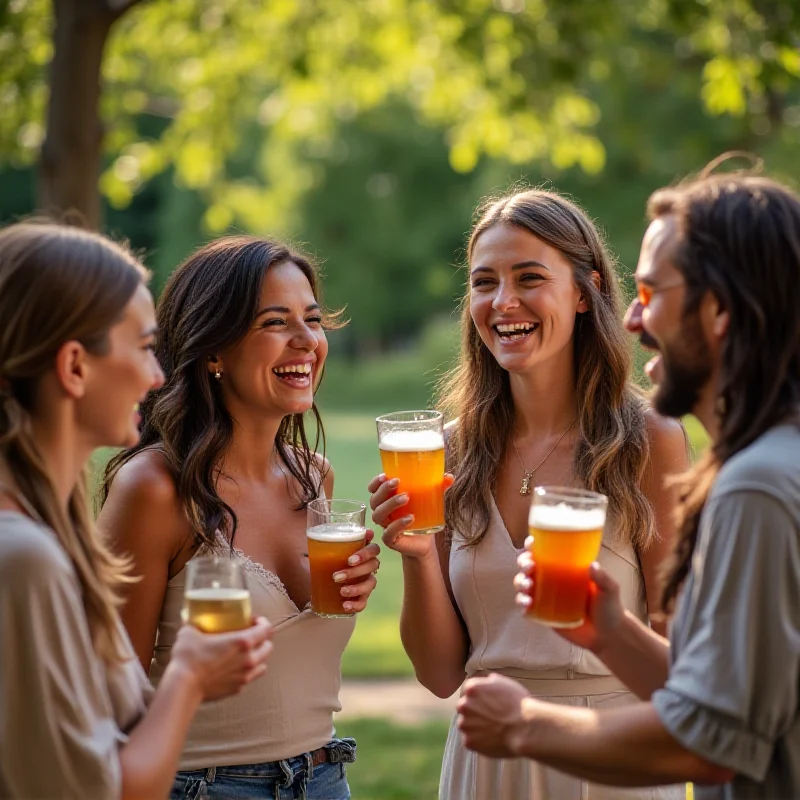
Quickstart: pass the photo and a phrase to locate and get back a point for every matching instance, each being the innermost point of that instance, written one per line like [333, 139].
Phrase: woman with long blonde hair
[541, 394]
[77, 716]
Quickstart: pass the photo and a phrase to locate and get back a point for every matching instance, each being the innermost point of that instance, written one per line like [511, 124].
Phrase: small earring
[218, 374]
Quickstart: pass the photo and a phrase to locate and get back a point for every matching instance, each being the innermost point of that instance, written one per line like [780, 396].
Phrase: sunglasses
[645, 292]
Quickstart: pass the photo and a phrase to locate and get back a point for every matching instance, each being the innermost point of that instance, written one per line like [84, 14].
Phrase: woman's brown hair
[738, 237]
[59, 284]
[613, 446]
[208, 305]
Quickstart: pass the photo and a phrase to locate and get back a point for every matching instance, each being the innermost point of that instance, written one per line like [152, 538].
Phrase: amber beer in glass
[336, 529]
[216, 598]
[411, 444]
[566, 528]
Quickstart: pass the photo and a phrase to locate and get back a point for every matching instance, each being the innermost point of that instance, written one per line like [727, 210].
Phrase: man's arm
[499, 719]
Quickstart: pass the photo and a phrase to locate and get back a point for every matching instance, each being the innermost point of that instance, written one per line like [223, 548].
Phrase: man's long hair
[738, 238]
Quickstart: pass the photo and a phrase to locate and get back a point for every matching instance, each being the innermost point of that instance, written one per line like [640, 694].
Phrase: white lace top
[287, 712]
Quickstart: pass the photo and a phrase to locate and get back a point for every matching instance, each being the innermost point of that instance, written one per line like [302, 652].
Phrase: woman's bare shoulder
[147, 476]
[669, 443]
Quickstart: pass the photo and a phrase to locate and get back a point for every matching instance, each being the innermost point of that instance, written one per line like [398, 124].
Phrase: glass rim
[336, 505]
[569, 494]
[212, 558]
[410, 417]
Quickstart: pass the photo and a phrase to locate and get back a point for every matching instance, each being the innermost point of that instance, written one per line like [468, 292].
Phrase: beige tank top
[287, 712]
[501, 638]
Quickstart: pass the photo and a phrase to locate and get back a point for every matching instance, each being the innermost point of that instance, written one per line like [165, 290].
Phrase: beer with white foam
[329, 546]
[413, 452]
[566, 534]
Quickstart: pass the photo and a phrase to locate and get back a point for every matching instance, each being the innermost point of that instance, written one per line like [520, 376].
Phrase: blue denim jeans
[291, 779]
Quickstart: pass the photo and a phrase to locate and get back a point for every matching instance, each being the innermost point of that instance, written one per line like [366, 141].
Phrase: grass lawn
[399, 762]
[395, 762]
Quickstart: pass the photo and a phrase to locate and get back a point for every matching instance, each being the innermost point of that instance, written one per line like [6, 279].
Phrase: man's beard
[686, 370]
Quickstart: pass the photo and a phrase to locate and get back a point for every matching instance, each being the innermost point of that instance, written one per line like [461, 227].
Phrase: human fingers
[358, 594]
[384, 491]
[394, 532]
[365, 553]
[376, 483]
[523, 599]
[354, 573]
[390, 510]
[522, 583]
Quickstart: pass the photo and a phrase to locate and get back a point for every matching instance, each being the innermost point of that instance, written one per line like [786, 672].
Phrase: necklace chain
[527, 475]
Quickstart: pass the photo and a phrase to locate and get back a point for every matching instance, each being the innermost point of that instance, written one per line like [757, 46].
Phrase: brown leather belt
[321, 756]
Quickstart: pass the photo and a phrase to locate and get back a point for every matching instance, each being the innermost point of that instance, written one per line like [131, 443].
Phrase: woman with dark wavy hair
[225, 465]
[541, 394]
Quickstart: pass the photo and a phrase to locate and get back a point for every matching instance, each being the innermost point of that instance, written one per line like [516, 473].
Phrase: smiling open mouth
[515, 330]
[294, 373]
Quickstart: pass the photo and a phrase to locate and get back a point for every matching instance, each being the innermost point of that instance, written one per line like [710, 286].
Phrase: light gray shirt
[63, 712]
[732, 692]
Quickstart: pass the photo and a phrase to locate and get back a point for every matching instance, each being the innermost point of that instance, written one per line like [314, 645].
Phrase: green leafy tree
[510, 79]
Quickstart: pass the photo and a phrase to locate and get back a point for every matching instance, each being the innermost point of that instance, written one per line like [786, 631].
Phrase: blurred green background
[367, 133]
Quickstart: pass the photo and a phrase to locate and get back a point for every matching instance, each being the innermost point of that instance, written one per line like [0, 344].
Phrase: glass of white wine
[216, 598]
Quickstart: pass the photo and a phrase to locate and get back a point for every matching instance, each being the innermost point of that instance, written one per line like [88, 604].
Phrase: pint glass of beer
[412, 449]
[216, 598]
[566, 526]
[336, 529]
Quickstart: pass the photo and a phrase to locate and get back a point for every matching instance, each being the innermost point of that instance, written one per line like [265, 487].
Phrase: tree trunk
[71, 153]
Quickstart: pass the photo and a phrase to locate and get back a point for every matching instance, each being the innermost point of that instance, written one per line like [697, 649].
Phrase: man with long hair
[718, 299]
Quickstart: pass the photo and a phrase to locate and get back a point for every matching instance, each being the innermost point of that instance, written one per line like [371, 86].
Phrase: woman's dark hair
[738, 237]
[208, 305]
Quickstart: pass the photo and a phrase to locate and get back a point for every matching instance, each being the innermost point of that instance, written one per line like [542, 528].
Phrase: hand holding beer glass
[336, 531]
[566, 529]
[216, 597]
[411, 445]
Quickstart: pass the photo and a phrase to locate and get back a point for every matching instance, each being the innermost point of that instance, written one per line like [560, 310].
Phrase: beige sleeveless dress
[502, 640]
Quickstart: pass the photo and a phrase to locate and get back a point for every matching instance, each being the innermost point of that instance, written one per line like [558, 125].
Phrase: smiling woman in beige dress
[541, 395]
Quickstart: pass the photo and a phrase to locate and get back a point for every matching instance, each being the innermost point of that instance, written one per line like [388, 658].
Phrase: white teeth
[516, 326]
[302, 369]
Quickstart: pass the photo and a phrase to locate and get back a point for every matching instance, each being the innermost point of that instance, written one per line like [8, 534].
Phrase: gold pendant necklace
[527, 475]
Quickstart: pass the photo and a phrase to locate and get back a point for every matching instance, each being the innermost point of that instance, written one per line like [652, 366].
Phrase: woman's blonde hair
[59, 284]
[613, 446]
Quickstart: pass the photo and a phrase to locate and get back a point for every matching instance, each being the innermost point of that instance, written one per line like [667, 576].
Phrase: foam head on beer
[564, 517]
[422, 441]
[333, 532]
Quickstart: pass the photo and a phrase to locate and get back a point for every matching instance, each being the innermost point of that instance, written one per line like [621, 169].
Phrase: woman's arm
[143, 518]
[432, 632]
[55, 708]
[202, 667]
